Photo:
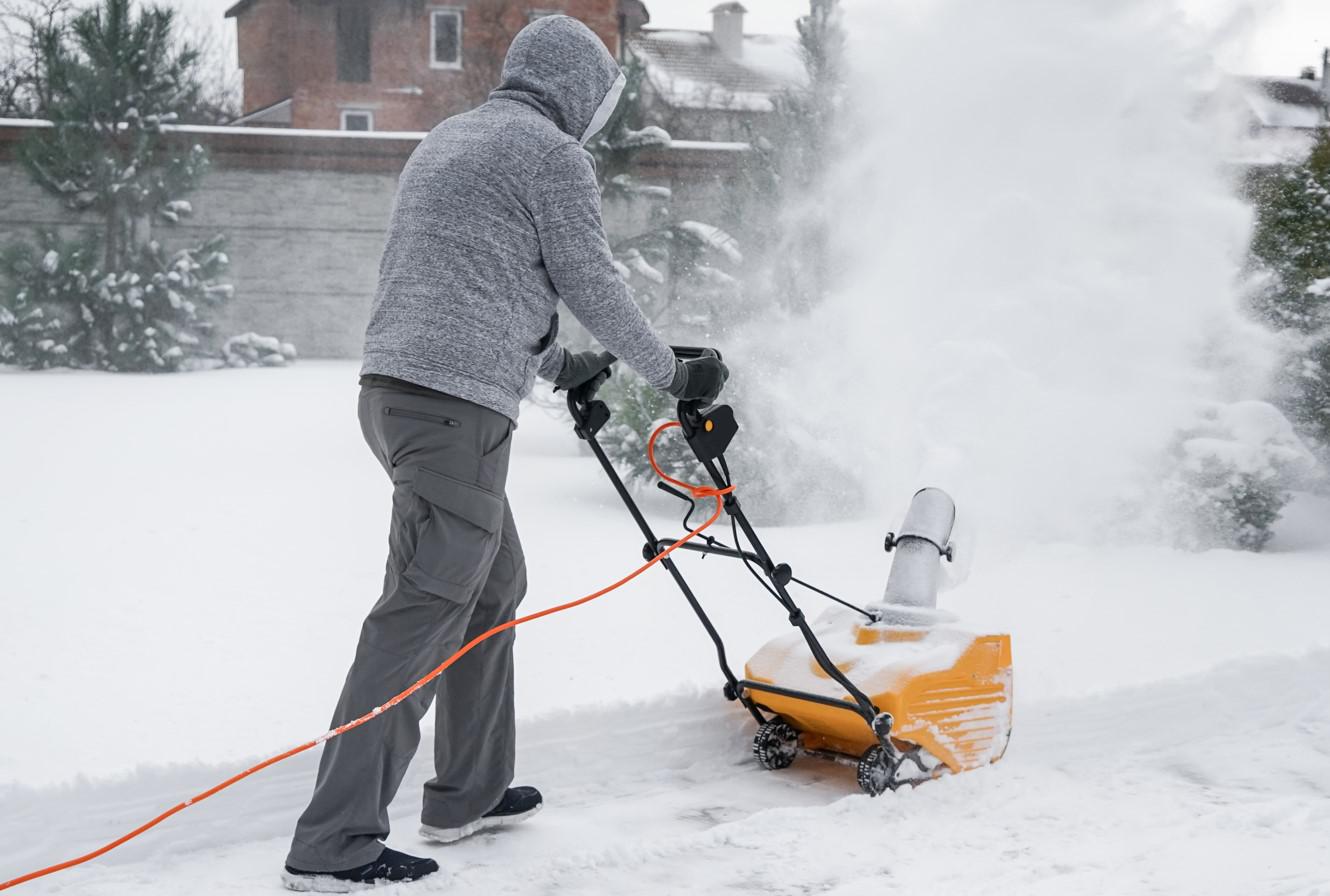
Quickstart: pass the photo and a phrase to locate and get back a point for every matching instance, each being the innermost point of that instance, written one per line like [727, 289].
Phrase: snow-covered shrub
[1309, 404]
[63, 309]
[1233, 470]
[1291, 256]
[1291, 243]
[44, 318]
[119, 299]
[774, 488]
[637, 409]
[253, 350]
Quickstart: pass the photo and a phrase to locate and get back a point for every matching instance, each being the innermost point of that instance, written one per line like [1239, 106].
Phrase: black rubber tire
[776, 744]
[876, 771]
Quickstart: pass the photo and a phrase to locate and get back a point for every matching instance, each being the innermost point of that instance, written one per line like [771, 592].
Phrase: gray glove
[583, 367]
[700, 379]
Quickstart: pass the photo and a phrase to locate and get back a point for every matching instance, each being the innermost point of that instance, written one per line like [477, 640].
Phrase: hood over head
[559, 66]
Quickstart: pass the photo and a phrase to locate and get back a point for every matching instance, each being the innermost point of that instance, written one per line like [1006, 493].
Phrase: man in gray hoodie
[497, 219]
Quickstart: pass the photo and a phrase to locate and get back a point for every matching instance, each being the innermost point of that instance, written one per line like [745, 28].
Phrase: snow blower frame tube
[709, 433]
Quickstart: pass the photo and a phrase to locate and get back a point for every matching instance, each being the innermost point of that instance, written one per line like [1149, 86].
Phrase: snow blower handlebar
[709, 432]
[593, 414]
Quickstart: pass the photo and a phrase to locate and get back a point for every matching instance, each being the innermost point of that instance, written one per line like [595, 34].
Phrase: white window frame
[368, 113]
[434, 13]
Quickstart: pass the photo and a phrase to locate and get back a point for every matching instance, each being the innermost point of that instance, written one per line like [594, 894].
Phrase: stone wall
[305, 218]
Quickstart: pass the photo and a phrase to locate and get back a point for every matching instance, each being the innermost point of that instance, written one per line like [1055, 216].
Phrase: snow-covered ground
[184, 562]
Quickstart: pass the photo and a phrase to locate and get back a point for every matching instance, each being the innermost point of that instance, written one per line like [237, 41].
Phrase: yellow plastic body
[948, 691]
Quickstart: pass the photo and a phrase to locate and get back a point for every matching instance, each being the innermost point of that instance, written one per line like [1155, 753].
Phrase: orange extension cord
[697, 491]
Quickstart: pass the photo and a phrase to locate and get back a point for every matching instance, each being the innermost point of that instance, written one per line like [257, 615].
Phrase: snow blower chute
[895, 688]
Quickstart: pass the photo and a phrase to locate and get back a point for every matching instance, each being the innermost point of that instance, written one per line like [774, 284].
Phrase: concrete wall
[304, 247]
[304, 244]
[305, 218]
[305, 221]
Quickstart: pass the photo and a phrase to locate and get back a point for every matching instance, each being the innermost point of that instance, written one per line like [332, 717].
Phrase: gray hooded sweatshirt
[497, 218]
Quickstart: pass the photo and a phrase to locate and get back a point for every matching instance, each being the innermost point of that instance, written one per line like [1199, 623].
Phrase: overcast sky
[1264, 36]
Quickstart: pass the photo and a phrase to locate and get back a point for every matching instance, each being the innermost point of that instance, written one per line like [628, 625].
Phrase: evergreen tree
[113, 77]
[113, 85]
[1292, 243]
[1291, 248]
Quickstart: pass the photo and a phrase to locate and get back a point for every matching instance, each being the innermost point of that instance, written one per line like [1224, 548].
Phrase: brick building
[389, 65]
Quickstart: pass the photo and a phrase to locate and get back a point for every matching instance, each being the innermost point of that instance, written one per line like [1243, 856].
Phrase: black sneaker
[391, 866]
[518, 804]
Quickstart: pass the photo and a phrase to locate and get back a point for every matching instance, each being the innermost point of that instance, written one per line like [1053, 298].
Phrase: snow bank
[1138, 791]
[134, 568]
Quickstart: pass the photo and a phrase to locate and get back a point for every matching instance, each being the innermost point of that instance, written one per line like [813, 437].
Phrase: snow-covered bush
[253, 350]
[770, 463]
[44, 321]
[1309, 403]
[63, 309]
[1234, 467]
[1291, 255]
[114, 76]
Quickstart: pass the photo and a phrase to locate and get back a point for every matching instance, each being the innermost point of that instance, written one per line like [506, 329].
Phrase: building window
[357, 120]
[353, 39]
[445, 38]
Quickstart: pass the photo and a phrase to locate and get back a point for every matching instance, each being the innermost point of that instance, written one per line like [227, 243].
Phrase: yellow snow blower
[896, 688]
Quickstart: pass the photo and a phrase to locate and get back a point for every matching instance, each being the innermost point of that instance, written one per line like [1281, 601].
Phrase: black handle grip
[692, 352]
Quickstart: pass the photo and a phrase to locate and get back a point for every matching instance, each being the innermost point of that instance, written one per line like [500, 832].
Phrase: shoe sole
[309, 883]
[319, 883]
[452, 835]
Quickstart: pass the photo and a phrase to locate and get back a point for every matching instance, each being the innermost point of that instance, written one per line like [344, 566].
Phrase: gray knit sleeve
[565, 203]
[551, 362]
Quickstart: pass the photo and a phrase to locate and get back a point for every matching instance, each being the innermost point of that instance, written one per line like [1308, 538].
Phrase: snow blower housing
[896, 688]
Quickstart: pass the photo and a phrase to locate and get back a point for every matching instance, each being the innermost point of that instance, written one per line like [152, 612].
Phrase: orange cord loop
[698, 491]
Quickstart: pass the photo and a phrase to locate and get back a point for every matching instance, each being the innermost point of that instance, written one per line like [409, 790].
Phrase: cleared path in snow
[1218, 783]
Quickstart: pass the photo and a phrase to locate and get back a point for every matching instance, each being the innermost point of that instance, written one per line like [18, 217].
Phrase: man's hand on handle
[700, 379]
[583, 367]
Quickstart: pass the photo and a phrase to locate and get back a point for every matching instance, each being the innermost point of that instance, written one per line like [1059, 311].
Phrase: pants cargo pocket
[458, 540]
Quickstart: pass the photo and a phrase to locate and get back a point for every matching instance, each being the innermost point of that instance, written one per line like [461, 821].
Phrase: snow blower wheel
[776, 744]
[876, 771]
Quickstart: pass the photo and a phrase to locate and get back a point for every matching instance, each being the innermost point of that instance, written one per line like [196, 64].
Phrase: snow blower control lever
[709, 432]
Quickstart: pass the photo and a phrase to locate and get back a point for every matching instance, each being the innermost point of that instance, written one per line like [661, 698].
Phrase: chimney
[727, 29]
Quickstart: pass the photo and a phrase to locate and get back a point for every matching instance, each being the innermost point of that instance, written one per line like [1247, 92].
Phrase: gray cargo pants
[455, 569]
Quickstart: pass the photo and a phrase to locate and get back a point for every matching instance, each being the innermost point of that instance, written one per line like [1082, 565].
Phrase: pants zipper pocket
[417, 415]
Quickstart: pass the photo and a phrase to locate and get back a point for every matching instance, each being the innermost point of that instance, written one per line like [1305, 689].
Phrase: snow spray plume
[1037, 245]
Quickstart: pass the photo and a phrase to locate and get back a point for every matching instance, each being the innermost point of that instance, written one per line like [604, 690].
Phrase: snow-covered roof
[688, 70]
[1284, 102]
